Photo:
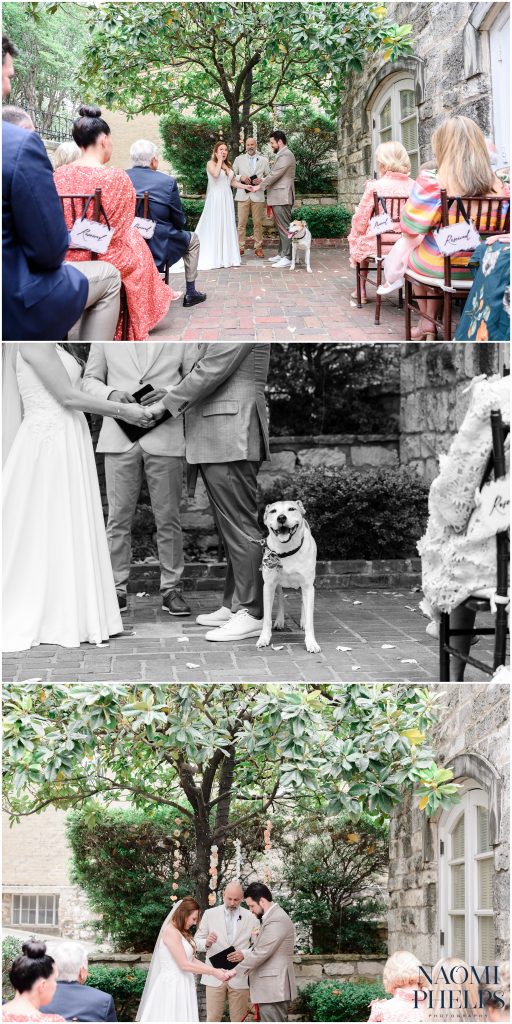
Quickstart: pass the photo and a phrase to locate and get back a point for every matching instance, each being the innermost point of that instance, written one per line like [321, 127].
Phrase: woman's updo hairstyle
[33, 963]
[88, 126]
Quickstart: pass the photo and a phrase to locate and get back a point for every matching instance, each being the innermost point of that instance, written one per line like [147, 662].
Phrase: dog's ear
[300, 507]
[265, 514]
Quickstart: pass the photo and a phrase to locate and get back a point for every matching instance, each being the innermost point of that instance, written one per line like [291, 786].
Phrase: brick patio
[360, 619]
[255, 303]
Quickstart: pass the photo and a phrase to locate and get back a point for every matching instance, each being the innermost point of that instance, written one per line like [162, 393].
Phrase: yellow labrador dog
[289, 560]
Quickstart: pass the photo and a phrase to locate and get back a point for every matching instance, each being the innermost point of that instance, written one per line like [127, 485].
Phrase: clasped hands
[246, 182]
[145, 414]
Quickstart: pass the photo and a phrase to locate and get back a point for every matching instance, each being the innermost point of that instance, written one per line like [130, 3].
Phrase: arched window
[395, 116]
[466, 865]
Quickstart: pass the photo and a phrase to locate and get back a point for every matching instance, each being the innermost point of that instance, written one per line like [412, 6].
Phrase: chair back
[490, 216]
[77, 204]
[142, 197]
[392, 205]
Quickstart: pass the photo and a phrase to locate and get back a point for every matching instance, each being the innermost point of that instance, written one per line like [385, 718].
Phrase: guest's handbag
[133, 432]
[89, 234]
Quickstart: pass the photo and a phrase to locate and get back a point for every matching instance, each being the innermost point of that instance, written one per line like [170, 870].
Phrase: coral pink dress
[8, 1016]
[147, 296]
[400, 1009]
[362, 243]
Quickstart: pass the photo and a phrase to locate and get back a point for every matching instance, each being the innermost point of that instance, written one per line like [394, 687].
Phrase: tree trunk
[201, 867]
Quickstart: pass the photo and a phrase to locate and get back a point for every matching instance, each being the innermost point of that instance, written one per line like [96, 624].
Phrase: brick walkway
[362, 620]
[255, 303]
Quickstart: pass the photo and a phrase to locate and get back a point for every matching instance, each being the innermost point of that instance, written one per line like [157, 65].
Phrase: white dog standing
[289, 561]
[300, 235]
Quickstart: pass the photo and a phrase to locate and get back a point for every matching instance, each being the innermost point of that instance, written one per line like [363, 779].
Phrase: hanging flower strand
[238, 858]
[176, 861]
[267, 872]
[214, 860]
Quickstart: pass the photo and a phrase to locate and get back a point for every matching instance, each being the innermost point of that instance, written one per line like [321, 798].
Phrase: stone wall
[475, 723]
[434, 379]
[450, 68]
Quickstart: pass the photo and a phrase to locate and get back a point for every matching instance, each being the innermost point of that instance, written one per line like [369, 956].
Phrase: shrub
[192, 209]
[125, 985]
[340, 1001]
[377, 514]
[325, 221]
[10, 949]
[123, 861]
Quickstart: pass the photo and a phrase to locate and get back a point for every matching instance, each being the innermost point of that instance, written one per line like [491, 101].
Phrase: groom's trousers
[164, 474]
[274, 1011]
[282, 216]
[232, 490]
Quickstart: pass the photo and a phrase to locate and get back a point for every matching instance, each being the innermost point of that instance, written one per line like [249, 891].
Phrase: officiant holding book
[141, 373]
[221, 928]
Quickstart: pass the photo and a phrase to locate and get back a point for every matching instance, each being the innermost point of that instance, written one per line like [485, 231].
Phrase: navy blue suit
[42, 298]
[170, 240]
[81, 1002]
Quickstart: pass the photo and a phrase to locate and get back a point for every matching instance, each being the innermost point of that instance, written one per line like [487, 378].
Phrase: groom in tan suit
[270, 961]
[280, 186]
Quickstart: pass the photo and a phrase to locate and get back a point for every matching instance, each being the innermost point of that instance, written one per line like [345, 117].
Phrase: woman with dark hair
[57, 578]
[147, 296]
[33, 976]
[170, 991]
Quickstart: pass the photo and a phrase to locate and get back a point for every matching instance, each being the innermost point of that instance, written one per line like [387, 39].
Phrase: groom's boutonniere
[254, 934]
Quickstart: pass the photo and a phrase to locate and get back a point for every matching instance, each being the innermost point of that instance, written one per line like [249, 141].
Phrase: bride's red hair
[179, 919]
[216, 147]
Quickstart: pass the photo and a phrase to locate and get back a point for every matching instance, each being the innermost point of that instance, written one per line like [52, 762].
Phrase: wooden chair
[77, 205]
[144, 198]
[491, 216]
[477, 602]
[392, 205]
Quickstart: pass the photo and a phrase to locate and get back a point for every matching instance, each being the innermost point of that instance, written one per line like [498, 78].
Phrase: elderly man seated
[170, 241]
[73, 999]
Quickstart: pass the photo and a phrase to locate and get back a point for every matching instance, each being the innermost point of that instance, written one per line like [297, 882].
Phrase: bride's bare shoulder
[211, 165]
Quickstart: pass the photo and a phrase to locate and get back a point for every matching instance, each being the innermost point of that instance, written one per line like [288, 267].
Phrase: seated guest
[463, 169]
[15, 115]
[486, 315]
[401, 978]
[42, 296]
[393, 169]
[33, 976]
[170, 241]
[148, 298]
[454, 995]
[73, 999]
[66, 153]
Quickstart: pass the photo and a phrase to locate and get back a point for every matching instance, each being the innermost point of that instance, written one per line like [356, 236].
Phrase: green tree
[331, 875]
[50, 54]
[234, 59]
[216, 748]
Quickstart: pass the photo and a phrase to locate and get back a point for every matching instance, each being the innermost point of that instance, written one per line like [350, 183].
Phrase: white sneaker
[386, 289]
[215, 618]
[240, 626]
[274, 259]
[283, 262]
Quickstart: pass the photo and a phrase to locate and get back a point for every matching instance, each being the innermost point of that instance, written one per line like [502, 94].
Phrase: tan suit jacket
[280, 183]
[270, 961]
[242, 169]
[213, 920]
[223, 398]
[128, 367]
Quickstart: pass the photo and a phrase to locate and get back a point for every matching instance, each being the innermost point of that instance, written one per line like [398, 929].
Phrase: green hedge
[192, 209]
[125, 985]
[336, 1000]
[322, 221]
[11, 947]
[378, 514]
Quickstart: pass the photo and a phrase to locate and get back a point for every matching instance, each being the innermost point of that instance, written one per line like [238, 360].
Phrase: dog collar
[280, 554]
[297, 238]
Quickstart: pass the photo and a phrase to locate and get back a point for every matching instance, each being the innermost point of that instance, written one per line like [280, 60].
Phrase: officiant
[250, 167]
[222, 927]
[117, 372]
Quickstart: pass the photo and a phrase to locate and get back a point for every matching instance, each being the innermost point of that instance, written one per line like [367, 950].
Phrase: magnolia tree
[233, 59]
[224, 756]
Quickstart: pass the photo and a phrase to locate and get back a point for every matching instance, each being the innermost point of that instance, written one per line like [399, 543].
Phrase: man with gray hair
[73, 999]
[16, 115]
[170, 241]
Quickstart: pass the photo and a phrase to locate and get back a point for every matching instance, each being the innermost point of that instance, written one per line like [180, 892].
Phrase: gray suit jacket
[270, 961]
[128, 367]
[280, 183]
[223, 399]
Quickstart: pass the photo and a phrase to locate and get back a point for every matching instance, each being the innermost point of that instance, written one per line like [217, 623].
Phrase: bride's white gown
[216, 228]
[58, 583]
[173, 997]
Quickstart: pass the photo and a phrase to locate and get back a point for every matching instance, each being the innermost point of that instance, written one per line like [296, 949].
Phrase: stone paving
[255, 303]
[382, 630]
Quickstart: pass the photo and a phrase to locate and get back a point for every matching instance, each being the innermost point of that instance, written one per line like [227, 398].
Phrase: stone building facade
[449, 877]
[460, 65]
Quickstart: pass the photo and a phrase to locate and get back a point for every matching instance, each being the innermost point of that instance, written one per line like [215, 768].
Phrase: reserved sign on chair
[492, 513]
[381, 223]
[460, 237]
[91, 235]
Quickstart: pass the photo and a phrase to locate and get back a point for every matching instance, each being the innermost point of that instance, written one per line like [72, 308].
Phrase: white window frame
[500, 74]
[38, 896]
[472, 799]
[391, 88]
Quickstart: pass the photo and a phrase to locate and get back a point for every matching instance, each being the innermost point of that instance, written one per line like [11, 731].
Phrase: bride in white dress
[57, 578]
[170, 991]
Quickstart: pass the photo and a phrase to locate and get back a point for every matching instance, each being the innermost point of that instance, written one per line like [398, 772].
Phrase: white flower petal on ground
[388, 647]
[357, 602]
[408, 661]
[343, 649]
[183, 639]
[355, 668]
[191, 664]
[277, 647]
